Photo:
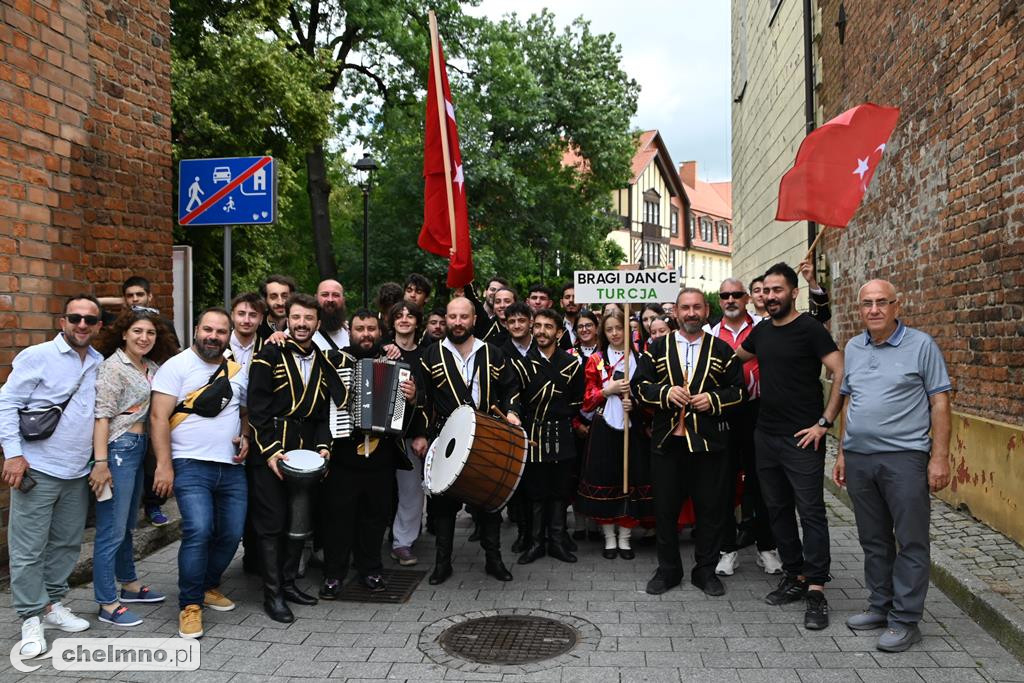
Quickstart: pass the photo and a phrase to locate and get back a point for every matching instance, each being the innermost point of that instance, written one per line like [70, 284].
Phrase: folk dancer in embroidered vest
[692, 381]
[463, 370]
[288, 409]
[552, 395]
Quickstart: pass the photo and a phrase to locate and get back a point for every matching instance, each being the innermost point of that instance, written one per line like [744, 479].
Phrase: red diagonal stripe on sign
[222, 192]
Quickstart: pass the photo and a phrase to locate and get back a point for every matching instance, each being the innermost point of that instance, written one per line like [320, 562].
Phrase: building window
[723, 233]
[652, 255]
[673, 220]
[705, 229]
[693, 227]
[652, 207]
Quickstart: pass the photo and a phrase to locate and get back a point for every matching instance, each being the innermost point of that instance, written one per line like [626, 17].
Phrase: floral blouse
[122, 392]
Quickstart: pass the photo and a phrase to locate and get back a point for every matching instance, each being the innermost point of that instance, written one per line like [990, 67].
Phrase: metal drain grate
[400, 585]
[508, 639]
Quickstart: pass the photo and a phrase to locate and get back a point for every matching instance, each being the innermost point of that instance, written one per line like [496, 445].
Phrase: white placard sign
[622, 286]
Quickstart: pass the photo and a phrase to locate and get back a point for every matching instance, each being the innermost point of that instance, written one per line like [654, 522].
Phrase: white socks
[609, 536]
[624, 535]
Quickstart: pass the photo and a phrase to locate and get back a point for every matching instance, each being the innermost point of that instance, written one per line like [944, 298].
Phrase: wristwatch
[822, 422]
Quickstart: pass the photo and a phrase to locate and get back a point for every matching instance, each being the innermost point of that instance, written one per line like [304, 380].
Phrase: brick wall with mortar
[85, 161]
[944, 217]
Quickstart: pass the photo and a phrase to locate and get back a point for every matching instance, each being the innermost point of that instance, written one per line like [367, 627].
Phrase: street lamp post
[366, 166]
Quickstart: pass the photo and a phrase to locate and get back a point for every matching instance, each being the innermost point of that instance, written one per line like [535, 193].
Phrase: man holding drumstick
[462, 370]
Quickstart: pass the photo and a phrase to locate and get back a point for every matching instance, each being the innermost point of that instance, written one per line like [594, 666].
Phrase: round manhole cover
[508, 639]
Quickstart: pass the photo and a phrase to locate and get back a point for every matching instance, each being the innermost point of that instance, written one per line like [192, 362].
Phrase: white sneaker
[727, 564]
[770, 561]
[60, 617]
[33, 641]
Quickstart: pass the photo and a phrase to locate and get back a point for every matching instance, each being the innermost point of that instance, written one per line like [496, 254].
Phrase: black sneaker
[816, 616]
[790, 589]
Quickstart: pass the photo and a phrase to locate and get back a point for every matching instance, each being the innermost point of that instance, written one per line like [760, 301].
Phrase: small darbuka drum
[476, 458]
[301, 471]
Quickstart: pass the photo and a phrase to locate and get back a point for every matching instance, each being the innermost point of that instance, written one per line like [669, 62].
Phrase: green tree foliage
[295, 79]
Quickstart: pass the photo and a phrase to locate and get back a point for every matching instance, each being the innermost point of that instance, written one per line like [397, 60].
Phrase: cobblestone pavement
[679, 636]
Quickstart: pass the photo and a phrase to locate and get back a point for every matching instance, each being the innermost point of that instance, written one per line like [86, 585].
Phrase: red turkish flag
[834, 165]
[436, 233]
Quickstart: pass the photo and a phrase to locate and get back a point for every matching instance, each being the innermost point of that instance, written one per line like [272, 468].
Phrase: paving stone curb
[1003, 620]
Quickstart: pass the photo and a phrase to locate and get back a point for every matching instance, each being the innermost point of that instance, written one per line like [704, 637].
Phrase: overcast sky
[678, 51]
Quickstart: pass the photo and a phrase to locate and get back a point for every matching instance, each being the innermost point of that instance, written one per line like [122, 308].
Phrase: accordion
[375, 402]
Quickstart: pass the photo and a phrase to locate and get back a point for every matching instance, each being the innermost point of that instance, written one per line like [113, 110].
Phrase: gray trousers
[44, 539]
[892, 505]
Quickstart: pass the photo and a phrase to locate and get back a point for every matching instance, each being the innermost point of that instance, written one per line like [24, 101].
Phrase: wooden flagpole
[628, 346]
[442, 116]
[810, 251]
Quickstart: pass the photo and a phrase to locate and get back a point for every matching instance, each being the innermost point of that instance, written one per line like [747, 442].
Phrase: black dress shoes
[663, 581]
[291, 593]
[709, 583]
[440, 574]
[329, 590]
[610, 553]
[373, 583]
[626, 553]
[496, 568]
[276, 609]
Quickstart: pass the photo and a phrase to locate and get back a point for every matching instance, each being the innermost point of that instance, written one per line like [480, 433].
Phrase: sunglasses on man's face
[75, 318]
[732, 295]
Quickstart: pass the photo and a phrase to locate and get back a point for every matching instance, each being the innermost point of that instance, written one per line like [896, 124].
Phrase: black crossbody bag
[37, 424]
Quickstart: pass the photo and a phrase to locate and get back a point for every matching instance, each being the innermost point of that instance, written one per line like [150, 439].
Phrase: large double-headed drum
[301, 471]
[476, 458]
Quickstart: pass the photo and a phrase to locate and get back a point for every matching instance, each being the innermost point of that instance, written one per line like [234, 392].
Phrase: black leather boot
[490, 540]
[522, 541]
[537, 548]
[474, 536]
[556, 532]
[444, 531]
[567, 541]
[290, 571]
[273, 597]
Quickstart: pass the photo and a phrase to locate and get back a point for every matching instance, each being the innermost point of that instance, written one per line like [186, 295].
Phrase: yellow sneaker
[190, 622]
[215, 600]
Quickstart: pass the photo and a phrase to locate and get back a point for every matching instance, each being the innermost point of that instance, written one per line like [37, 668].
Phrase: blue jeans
[212, 499]
[115, 518]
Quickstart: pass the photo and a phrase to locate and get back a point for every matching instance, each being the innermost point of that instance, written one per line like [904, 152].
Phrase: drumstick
[502, 415]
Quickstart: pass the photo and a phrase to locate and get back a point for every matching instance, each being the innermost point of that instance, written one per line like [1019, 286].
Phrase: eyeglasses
[75, 318]
[732, 295]
[868, 304]
[145, 309]
[585, 326]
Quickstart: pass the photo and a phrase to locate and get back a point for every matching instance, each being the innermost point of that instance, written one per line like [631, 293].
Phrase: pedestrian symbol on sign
[194, 192]
[230, 206]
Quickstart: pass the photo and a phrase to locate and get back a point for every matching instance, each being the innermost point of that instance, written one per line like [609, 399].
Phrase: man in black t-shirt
[789, 439]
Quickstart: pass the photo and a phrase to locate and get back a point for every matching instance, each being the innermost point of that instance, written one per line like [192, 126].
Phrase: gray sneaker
[404, 556]
[899, 638]
[867, 621]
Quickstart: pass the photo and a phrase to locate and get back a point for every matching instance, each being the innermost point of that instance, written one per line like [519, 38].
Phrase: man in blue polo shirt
[898, 390]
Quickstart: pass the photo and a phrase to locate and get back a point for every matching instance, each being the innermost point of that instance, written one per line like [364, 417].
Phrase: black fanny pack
[209, 399]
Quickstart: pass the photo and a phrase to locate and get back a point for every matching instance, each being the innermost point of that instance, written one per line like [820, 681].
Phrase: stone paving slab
[680, 636]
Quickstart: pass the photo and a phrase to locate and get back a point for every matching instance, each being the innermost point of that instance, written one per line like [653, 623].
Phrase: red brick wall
[85, 159]
[944, 217]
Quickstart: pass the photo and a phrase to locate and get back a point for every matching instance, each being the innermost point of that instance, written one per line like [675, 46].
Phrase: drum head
[302, 461]
[450, 450]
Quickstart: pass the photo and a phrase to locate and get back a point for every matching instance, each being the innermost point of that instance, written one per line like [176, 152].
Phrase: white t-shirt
[201, 438]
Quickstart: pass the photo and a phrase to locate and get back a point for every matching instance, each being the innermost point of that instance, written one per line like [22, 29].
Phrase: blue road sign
[229, 191]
